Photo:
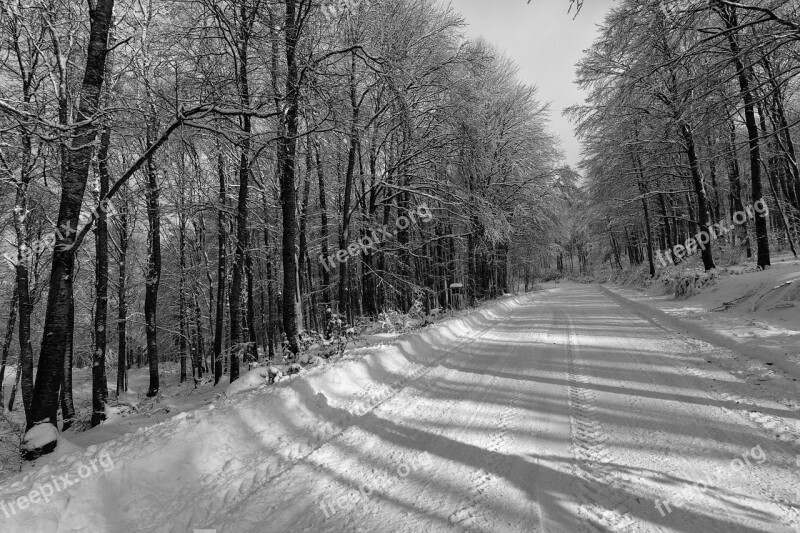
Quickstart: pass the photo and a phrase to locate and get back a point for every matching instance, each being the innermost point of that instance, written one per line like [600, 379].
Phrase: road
[574, 412]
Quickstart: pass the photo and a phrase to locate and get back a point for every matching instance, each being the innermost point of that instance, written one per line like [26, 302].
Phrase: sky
[546, 42]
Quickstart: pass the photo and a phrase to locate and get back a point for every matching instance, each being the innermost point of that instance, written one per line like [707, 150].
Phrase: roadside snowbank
[753, 313]
[179, 472]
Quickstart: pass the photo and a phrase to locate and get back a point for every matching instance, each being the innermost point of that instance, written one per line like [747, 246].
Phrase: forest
[176, 177]
[689, 125]
[399, 266]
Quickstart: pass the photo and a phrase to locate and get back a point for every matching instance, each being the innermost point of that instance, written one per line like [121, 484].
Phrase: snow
[185, 468]
[750, 312]
[39, 436]
[250, 381]
[573, 408]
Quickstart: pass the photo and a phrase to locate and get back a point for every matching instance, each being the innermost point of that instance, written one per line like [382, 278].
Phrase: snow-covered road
[566, 410]
[571, 413]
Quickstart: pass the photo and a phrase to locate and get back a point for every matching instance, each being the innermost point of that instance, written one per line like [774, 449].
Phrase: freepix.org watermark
[699, 241]
[26, 253]
[736, 468]
[356, 496]
[369, 243]
[46, 490]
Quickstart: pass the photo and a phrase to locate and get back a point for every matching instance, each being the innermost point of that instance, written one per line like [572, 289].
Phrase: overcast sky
[546, 42]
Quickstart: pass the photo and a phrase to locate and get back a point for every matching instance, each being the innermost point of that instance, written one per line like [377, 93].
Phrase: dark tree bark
[237, 304]
[714, 198]
[323, 207]
[287, 144]
[183, 320]
[771, 179]
[153, 279]
[700, 190]
[744, 75]
[735, 180]
[201, 231]
[221, 272]
[304, 288]
[784, 135]
[24, 255]
[667, 226]
[99, 383]
[270, 332]
[646, 211]
[251, 310]
[20, 219]
[51, 368]
[200, 352]
[344, 229]
[67, 404]
[122, 304]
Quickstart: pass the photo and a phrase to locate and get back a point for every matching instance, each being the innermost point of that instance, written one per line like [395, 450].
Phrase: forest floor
[576, 408]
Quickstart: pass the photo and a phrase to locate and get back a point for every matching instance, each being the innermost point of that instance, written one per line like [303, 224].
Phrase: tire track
[605, 493]
[473, 513]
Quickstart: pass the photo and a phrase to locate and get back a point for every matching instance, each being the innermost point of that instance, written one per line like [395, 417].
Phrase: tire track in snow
[602, 490]
[474, 515]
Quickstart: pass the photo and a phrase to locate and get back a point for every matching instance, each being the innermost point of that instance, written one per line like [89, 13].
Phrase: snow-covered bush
[684, 284]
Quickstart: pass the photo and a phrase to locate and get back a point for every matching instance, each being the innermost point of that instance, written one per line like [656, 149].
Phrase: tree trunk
[744, 74]
[700, 189]
[50, 373]
[326, 274]
[153, 269]
[251, 311]
[12, 320]
[221, 272]
[67, 404]
[200, 351]
[303, 251]
[735, 179]
[24, 260]
[270, 283]
[182, 318]
[122, 305]
[238, 308]
[784, 135]
[99, 382]
[286, 160]
[667, 226]
[646, 210]
[344, 231]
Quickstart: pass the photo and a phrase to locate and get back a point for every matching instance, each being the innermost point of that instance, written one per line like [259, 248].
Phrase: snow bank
[178, 474]
[39, 436]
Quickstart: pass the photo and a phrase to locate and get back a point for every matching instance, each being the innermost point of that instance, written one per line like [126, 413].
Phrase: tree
[51, 358]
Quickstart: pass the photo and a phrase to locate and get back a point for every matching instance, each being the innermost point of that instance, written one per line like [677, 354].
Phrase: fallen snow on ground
[756, 313]
[572, 409]
[180, 471]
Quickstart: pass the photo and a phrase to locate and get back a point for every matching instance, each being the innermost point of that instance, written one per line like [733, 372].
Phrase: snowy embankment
[178, 473]
[753, 313]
